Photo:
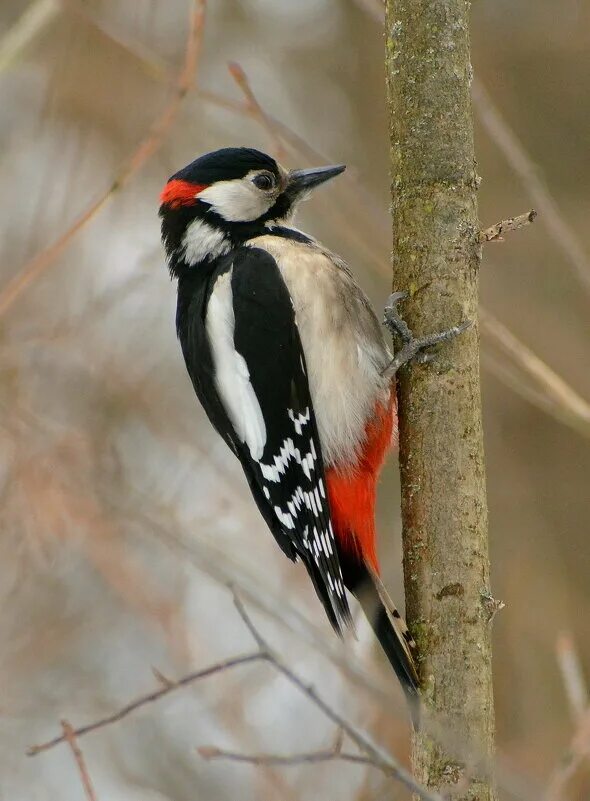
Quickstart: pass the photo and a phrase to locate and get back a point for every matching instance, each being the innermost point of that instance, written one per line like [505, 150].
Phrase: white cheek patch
[232, 377]
[236, 201]
[202, 241]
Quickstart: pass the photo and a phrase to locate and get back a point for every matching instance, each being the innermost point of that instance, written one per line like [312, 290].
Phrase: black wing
[284, 467]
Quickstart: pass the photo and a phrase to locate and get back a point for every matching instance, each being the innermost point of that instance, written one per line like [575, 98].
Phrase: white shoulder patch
[232, 377]
[202, 240]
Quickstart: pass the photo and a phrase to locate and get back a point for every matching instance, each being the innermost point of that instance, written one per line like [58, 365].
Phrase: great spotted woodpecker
[292, 368]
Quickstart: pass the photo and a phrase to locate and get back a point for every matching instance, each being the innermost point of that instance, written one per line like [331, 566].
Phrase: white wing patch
[202, 241]
[232, 377]
[319, 541]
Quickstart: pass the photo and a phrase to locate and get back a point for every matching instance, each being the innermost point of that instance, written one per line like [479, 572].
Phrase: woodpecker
[291, 365]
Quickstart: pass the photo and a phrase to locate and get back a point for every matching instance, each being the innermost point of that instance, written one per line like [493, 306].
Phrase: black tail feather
[390, 629]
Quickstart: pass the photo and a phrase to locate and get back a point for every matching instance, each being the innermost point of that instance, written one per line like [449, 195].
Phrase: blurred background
[124, 517]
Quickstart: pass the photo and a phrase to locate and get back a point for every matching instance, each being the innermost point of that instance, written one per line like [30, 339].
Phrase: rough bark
[436, 254]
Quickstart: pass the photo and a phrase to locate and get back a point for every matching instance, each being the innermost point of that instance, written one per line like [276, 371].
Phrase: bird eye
[264, 181]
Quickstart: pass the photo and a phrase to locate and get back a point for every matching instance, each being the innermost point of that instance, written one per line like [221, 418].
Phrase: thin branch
[373, 755]
[385, 762]
[168, 687]
[572, 674]
[34, 19]
[576, 755]
[495, 233]
[506, 140]
[285, 760]
[152, 142]
[240, 77]
[152, 64]
[69, 736]
[512, 377]
[556, 389]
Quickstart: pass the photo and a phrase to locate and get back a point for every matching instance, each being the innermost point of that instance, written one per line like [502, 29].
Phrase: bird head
[226, 197]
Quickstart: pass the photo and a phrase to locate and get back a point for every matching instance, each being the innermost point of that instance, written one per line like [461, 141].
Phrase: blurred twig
[576, 755]
[373, 755]
[164, 689]
[284, 760]
[149, 60]
[152, 142]
[568, 660]
[572, 406]
[378, 758]
[28, 26]
[495, 233]
[240, 77]
[70, 737]
[523, 165]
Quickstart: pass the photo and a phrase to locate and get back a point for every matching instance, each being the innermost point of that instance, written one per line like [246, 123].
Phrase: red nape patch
[352, 495]
[178, 193]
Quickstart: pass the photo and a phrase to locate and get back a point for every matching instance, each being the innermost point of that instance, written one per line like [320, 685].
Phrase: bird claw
[413, 348]
[392, 318]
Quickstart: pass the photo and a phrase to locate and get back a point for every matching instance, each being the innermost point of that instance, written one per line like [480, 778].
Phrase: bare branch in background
[495, 233]
[504, 137]
[70, 737]
[570, 405]
[578, 752]
[240, 77]
[380, 759]
[166, 688]
[327, 755]
[152, 142]
[151, 63]
[373, 755]
[284, 760]
[572, 674]
[33, 21]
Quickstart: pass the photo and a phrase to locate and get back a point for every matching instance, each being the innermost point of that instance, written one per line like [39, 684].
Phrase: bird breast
[344, 347]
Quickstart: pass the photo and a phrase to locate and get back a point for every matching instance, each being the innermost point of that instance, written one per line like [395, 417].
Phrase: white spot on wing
[232, 377]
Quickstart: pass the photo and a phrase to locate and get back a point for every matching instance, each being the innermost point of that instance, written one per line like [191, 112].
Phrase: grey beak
[304, 180]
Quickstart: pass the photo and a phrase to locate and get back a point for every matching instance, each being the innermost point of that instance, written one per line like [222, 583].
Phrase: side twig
[379, 759]
[370, 754]
[240, 77]
[32, 22]
[577, 753]
[69, 736]
[166, 688]
[507, 142]
[495, 233]
[153, 141]
[572, 675]
[573, 408]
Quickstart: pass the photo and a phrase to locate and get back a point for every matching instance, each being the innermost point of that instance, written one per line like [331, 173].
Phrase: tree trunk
[436, 256]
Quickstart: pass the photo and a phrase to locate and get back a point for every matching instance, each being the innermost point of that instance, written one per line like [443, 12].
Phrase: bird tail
[391, 631]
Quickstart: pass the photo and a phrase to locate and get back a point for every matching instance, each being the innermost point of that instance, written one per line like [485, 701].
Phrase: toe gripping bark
[412, 348]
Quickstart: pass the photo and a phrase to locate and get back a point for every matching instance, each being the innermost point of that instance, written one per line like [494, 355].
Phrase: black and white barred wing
[260, 377]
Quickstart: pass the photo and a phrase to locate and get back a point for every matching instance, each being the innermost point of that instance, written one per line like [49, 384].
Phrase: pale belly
[343, 344]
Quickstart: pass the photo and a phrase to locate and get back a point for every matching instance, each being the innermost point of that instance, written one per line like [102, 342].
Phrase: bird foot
[413, 348]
